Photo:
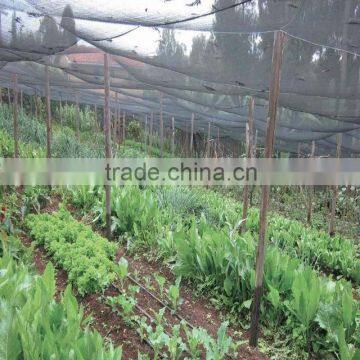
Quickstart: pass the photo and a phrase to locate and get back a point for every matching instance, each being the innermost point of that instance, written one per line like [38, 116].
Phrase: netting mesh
[206, 57]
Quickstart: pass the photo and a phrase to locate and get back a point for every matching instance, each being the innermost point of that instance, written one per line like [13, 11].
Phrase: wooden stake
[9, 97]
[311, 190]
[161, 126]
[208, 140]
[60, 112]
[107, 142]
[173, 136]
[151, 132]
[145, 133]
[123, 128]
[96, 118]
[249, 154]
[192, 134]
[278, 48]
[21, 100]
[48, 112]
[334, 190]
[77, 120]
[15, 115]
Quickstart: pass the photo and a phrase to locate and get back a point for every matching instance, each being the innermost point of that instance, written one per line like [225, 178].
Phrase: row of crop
[85, 255]
[314, 247]
[34, 326]
[319, 314]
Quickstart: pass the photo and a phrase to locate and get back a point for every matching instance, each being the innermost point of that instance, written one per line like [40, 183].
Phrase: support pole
[311, 190]
[123, 128]
[173, 136]
[208, 140]
[60, 112]
[145, 133]
[15, 115]
[21, 100]
[192, 134]
[249, 153]
[161, 125]
[107, 142]
[151, 132]
[277, 56]
[77, 120]
[48, 112]
[334, 190]
[96, 118]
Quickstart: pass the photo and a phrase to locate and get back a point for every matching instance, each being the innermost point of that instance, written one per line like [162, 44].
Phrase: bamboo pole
[48, 112]
[249, 153]
[192, 134]
[15, 115]
[173, 136]
[277, 56]
[161, 125]
[334, 190]
[107, 142]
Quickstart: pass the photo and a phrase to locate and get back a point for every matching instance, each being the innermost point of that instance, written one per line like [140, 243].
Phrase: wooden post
[77, 120]
[249, 153]
[161, 125]
[208, 140]
[334, 190]
[274, 91]
[1, 99]
[15, 115]
[9, 97]
[96, 118]
[151, 132]
[107, 142]
[311, 190]
[36, 105]
[145, 133]
[48, 112]
[192, 134]
[60, 112]
[123, 128]
[21, 100]
[173, 136]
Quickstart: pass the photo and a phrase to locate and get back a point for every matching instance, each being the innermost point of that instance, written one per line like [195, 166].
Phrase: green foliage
[34, 326]
[134, 130]
[85, 255]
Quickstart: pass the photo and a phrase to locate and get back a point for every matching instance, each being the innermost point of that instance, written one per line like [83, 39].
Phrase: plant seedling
[161, 283]
[122, 270]
[174, 294]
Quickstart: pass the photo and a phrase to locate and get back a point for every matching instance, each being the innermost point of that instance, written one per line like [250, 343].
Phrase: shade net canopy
[205, 57]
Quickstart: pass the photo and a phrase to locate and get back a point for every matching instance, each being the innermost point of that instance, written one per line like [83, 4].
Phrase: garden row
[35, 326]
